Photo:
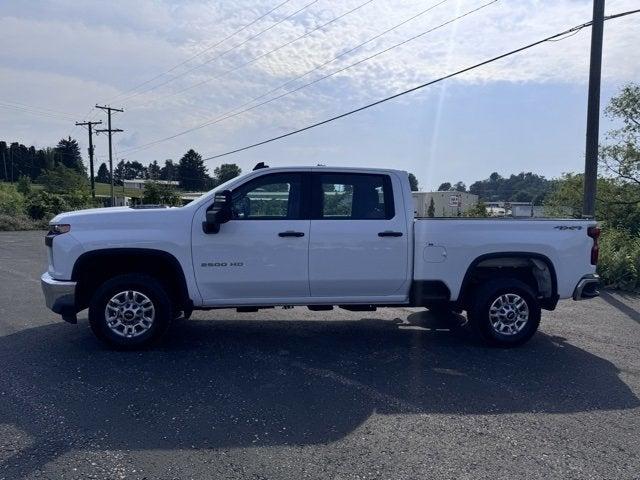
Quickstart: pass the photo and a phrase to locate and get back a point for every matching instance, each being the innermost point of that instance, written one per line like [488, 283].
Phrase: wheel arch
[94, 267]
[548, 301]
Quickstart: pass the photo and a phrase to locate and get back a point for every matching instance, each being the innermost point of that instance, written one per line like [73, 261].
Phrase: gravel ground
[295, 394]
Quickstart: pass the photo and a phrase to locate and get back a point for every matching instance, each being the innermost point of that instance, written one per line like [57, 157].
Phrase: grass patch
[105, 189]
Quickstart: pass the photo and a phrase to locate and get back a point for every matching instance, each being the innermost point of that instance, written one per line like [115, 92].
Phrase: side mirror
[219, 213]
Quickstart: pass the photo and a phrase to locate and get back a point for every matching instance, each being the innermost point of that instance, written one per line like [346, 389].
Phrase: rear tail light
[594, 232]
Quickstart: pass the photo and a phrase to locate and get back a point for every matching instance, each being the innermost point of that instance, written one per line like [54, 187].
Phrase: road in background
[292, 394]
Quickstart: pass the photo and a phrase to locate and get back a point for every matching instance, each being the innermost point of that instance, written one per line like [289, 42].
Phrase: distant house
[139, 183]
[446, 204]
[119, 200]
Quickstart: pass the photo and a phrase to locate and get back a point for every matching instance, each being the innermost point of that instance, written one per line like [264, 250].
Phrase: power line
[24, 105]
[405, 92]
[201, 52]
[229, 114]
[37, 112]
[343, 54]
[189, 70]
[266, 54]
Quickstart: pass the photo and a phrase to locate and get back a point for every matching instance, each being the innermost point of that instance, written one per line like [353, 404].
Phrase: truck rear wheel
[504, 312]
[130, 311]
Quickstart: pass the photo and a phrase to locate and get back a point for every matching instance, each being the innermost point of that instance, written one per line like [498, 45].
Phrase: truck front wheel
[130, 311]
[504, 312]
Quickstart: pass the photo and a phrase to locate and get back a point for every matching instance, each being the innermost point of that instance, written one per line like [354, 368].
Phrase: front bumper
[60, 297]
[587, 287]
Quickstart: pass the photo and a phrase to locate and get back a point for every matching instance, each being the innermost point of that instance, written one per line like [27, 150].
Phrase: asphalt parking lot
[292, 394]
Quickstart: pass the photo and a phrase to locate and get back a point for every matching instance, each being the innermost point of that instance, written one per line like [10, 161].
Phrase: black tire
[144, 335]
[504, 329]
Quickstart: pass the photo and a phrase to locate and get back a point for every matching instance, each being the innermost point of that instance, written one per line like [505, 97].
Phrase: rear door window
[352, 196]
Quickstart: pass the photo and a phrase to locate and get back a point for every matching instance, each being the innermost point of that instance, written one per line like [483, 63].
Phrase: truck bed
[446, 247]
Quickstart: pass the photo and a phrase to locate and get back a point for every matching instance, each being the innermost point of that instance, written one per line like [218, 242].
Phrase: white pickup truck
[314, 236]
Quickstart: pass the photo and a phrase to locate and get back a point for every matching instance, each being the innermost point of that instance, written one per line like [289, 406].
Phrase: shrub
[478, 210]
[78, 199]
[24, 185]
[10, 223]
[160, 194]
[11, 201]
[619, 262]
[61, 179]
[44, 205]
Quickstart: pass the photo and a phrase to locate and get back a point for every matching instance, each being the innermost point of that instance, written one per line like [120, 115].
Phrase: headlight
[58, 228]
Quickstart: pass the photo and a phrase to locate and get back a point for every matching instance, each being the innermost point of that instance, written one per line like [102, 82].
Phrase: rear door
[359, 239]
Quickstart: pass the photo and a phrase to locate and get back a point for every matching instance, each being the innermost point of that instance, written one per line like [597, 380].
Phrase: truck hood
[119, 216]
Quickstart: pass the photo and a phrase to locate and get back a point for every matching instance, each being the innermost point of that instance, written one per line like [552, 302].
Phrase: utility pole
[593, 112]
[110, 131]
[90, 128]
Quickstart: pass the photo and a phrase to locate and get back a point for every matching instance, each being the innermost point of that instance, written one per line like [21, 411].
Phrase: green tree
[134, 169]
[169, 171]
[478, 210]
[413, 182]
[119, 173]
[160, 194]
[444, 187]
[103, 174]
[192, 171]
[460, 187]
[47, 158]
[618, 190]
[4, 154]
[153, 171]
[620, 155]
[44, 205]
[617, 204]
[67, 153]
[521, 196]
[431, 211]
[63, 180]
[11, 201]
[24, 185]
[126, 170]
[226, 172]
[523, 187]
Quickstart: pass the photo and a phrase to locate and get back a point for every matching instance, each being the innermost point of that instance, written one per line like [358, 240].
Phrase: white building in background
[139, 183]
[446, 204]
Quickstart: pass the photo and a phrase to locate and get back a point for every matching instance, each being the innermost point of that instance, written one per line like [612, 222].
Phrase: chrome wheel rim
[508, 314]
[129, 313]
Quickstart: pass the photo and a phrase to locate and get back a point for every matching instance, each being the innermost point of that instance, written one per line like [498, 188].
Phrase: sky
[206, 65]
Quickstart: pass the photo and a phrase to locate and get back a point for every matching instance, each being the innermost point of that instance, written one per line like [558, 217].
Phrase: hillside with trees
[523, 187]
[37, 184]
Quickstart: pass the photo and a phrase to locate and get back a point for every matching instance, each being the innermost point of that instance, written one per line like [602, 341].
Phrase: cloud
[69, 55]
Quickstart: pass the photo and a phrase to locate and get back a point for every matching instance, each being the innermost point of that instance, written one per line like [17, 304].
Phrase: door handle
[389, 233]
[291, 233]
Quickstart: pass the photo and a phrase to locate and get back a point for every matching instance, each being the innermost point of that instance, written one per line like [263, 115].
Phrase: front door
[261, 254]
[359, 238]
